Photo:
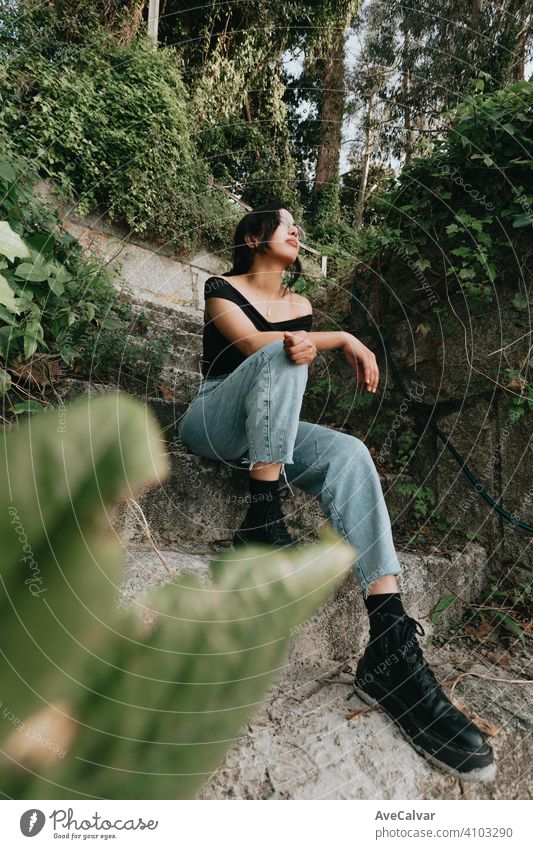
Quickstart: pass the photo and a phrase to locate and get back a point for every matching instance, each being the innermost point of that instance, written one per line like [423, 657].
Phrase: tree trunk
[406, 90]
[369, 144]
[248, 116]
[518, 69]
[327, 167]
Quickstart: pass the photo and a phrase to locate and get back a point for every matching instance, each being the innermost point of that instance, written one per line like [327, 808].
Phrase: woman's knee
[278, 358]
[347, 448]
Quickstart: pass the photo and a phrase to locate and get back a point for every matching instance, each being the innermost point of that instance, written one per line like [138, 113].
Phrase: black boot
[393, 673]
[265, 523]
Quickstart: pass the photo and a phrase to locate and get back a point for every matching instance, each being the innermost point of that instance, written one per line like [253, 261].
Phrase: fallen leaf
[489, 728]
[500, 659]
[167, 393]
[482, 631]
[358, 711]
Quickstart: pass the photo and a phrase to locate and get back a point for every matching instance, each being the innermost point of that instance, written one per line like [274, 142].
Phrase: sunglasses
[299, 229]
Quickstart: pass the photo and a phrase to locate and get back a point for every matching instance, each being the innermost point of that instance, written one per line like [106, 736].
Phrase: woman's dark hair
[260, 222]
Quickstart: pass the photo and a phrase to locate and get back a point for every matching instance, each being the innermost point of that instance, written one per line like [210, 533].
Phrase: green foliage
[90, 692]
[442, 606]
[50, 294]
[504, 606]
[405, 448]
[457, 220]
[461, 212]
[59, 310]
[111, 124]
[126, 358]
[328, 232]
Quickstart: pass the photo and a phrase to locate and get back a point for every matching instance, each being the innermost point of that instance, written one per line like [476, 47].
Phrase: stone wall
[452, 362]
[459, 379]
[152, 272]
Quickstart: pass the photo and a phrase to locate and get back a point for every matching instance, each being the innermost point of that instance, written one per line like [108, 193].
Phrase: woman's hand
[363, 362]
[299, 349]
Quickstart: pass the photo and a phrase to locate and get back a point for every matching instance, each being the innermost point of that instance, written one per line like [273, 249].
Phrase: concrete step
[304, 742]
[339, 628]
[209, 495]
[206, 499]
[161, 319]
[182, 375]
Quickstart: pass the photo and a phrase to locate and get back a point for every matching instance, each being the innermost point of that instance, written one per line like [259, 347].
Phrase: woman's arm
[302, 347]
[323, 340]
[238, 329]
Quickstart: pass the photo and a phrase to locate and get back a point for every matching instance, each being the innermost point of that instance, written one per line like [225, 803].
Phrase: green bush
[111, 125]
[59, 310]
[462, 213]
[458, 219]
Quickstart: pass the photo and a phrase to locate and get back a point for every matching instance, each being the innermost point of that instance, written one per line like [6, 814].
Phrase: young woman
[257, 348]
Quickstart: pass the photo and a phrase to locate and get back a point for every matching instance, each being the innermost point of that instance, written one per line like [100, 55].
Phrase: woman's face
[286, 238]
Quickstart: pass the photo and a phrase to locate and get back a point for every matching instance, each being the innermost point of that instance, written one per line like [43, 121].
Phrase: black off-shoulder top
[220, 357]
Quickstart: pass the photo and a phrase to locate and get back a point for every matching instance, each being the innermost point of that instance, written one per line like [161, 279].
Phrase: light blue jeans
[252, 415]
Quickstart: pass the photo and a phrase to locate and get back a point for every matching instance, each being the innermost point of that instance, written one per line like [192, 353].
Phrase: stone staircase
[301, 743]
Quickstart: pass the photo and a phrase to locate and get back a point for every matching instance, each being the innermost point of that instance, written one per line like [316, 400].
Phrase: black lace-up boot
[393, 673]
[265, 523]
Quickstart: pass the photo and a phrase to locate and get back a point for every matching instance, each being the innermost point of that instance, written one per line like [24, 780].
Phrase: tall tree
[431, 54]
[328, 50]
[332, 114]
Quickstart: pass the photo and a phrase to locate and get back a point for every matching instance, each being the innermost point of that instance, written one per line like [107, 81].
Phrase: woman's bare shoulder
[303, 301]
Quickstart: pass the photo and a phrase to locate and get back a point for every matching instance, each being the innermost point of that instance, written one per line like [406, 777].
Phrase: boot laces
[275, 519]
[422, 672]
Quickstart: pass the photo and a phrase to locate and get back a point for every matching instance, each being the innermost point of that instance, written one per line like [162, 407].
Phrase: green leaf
[35, 272]
[7, 297]
[7, 172]
[29, 406]
[111, 323]
[30, 345]
[520, 301]
[56, 286]
[61, 274]
[523, 220]
[8, 335]
[7, 316]
[509, 623]
[43, 244]
[5, 381]
[442, 606]
[11, 245]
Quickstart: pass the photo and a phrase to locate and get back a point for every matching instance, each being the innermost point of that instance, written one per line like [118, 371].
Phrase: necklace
[278, 299]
